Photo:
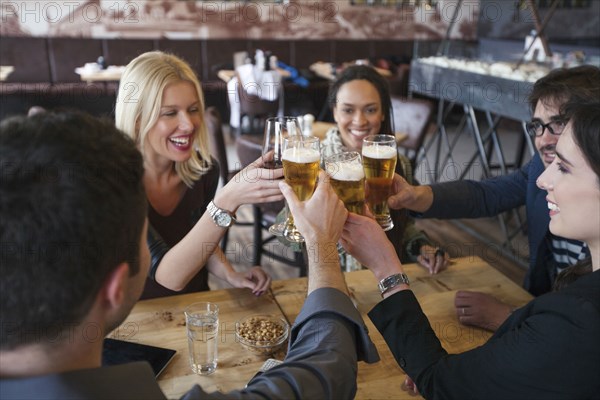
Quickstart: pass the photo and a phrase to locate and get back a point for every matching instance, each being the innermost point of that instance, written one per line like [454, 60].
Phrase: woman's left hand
[254, 184]
[255, 279]
[434, 259]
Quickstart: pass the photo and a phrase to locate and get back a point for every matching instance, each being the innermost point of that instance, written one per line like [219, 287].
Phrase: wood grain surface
[160, 322]
[436, 296]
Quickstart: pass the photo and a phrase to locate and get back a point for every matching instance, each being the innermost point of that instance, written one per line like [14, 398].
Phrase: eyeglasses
[537, 128]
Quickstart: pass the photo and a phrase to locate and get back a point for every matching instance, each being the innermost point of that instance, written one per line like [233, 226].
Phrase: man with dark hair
[74, 257]
[73, 209]
[548, 254]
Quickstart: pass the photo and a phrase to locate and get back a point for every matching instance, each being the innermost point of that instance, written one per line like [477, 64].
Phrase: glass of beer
[276, 130]
[379, 162]
[347, 179]
[301, 158]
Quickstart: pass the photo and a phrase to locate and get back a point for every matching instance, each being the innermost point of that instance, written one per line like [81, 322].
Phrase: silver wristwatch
[221, 218]
[392, 281]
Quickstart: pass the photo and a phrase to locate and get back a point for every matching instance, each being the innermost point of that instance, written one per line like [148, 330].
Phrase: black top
[166, 231]
[548, 349]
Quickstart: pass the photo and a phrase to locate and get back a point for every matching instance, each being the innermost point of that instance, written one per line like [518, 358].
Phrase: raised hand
[404, 195]
[364, 239]
[253, 184]
[320, 218]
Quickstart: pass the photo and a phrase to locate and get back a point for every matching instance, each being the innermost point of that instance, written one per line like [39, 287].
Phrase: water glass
[202, 323]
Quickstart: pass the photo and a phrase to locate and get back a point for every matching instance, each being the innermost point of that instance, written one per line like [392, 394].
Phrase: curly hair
[363, 72]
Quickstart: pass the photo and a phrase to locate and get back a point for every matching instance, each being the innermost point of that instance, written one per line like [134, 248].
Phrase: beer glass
[276, 130]
[379, 162]
[347, 179]
[301, 157]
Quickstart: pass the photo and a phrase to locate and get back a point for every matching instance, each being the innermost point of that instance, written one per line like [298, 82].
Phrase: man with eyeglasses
[474, 199]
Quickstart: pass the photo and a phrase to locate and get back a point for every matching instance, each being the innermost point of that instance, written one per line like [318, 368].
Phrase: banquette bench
[44, 73]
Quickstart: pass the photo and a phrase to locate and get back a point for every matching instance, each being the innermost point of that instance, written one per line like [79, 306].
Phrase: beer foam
[379, 152]
[346, 171]
[301, 155]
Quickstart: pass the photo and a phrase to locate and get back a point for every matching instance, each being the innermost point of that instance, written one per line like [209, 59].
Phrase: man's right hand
[320, 220]
[414, 198]
[364, 239]
[481, 310]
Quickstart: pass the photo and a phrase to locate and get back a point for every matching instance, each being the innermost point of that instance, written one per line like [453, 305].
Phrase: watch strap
[392, 281]
[213, 210]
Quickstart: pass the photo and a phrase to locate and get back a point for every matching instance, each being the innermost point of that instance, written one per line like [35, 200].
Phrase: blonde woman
[160, 105]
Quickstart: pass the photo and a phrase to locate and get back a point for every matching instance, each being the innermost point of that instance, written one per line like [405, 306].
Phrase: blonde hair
[139, 101]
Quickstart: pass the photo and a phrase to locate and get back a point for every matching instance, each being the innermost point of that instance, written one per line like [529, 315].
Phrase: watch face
[223, 219]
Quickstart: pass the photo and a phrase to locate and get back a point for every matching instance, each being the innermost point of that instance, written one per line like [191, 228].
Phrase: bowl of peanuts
[262, 334]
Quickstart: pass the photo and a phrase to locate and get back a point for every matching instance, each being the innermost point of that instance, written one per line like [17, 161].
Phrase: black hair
[72, 205]
[363, 72]
[585, 123]
[563, 84]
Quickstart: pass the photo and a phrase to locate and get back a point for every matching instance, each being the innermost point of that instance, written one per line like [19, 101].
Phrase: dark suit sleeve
[475, 199]
[550, 352]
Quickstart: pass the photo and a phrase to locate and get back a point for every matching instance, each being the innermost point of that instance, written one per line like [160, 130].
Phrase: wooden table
[436, 296]
[160, 322]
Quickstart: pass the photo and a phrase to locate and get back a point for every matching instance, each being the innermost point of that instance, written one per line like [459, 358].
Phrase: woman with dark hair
[361, 105]
[586, 137]
[547, 349]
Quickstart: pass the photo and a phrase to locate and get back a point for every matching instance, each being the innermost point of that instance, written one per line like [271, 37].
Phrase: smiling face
[172, 136]
[546, 144]
[573, 192]
[357, 112]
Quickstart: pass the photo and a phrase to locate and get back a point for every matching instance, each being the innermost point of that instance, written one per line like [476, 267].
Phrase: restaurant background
[574, 20]
[238, 19]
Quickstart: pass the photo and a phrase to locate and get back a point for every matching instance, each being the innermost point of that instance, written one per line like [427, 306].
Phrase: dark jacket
[490, 197]
[548, 349]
